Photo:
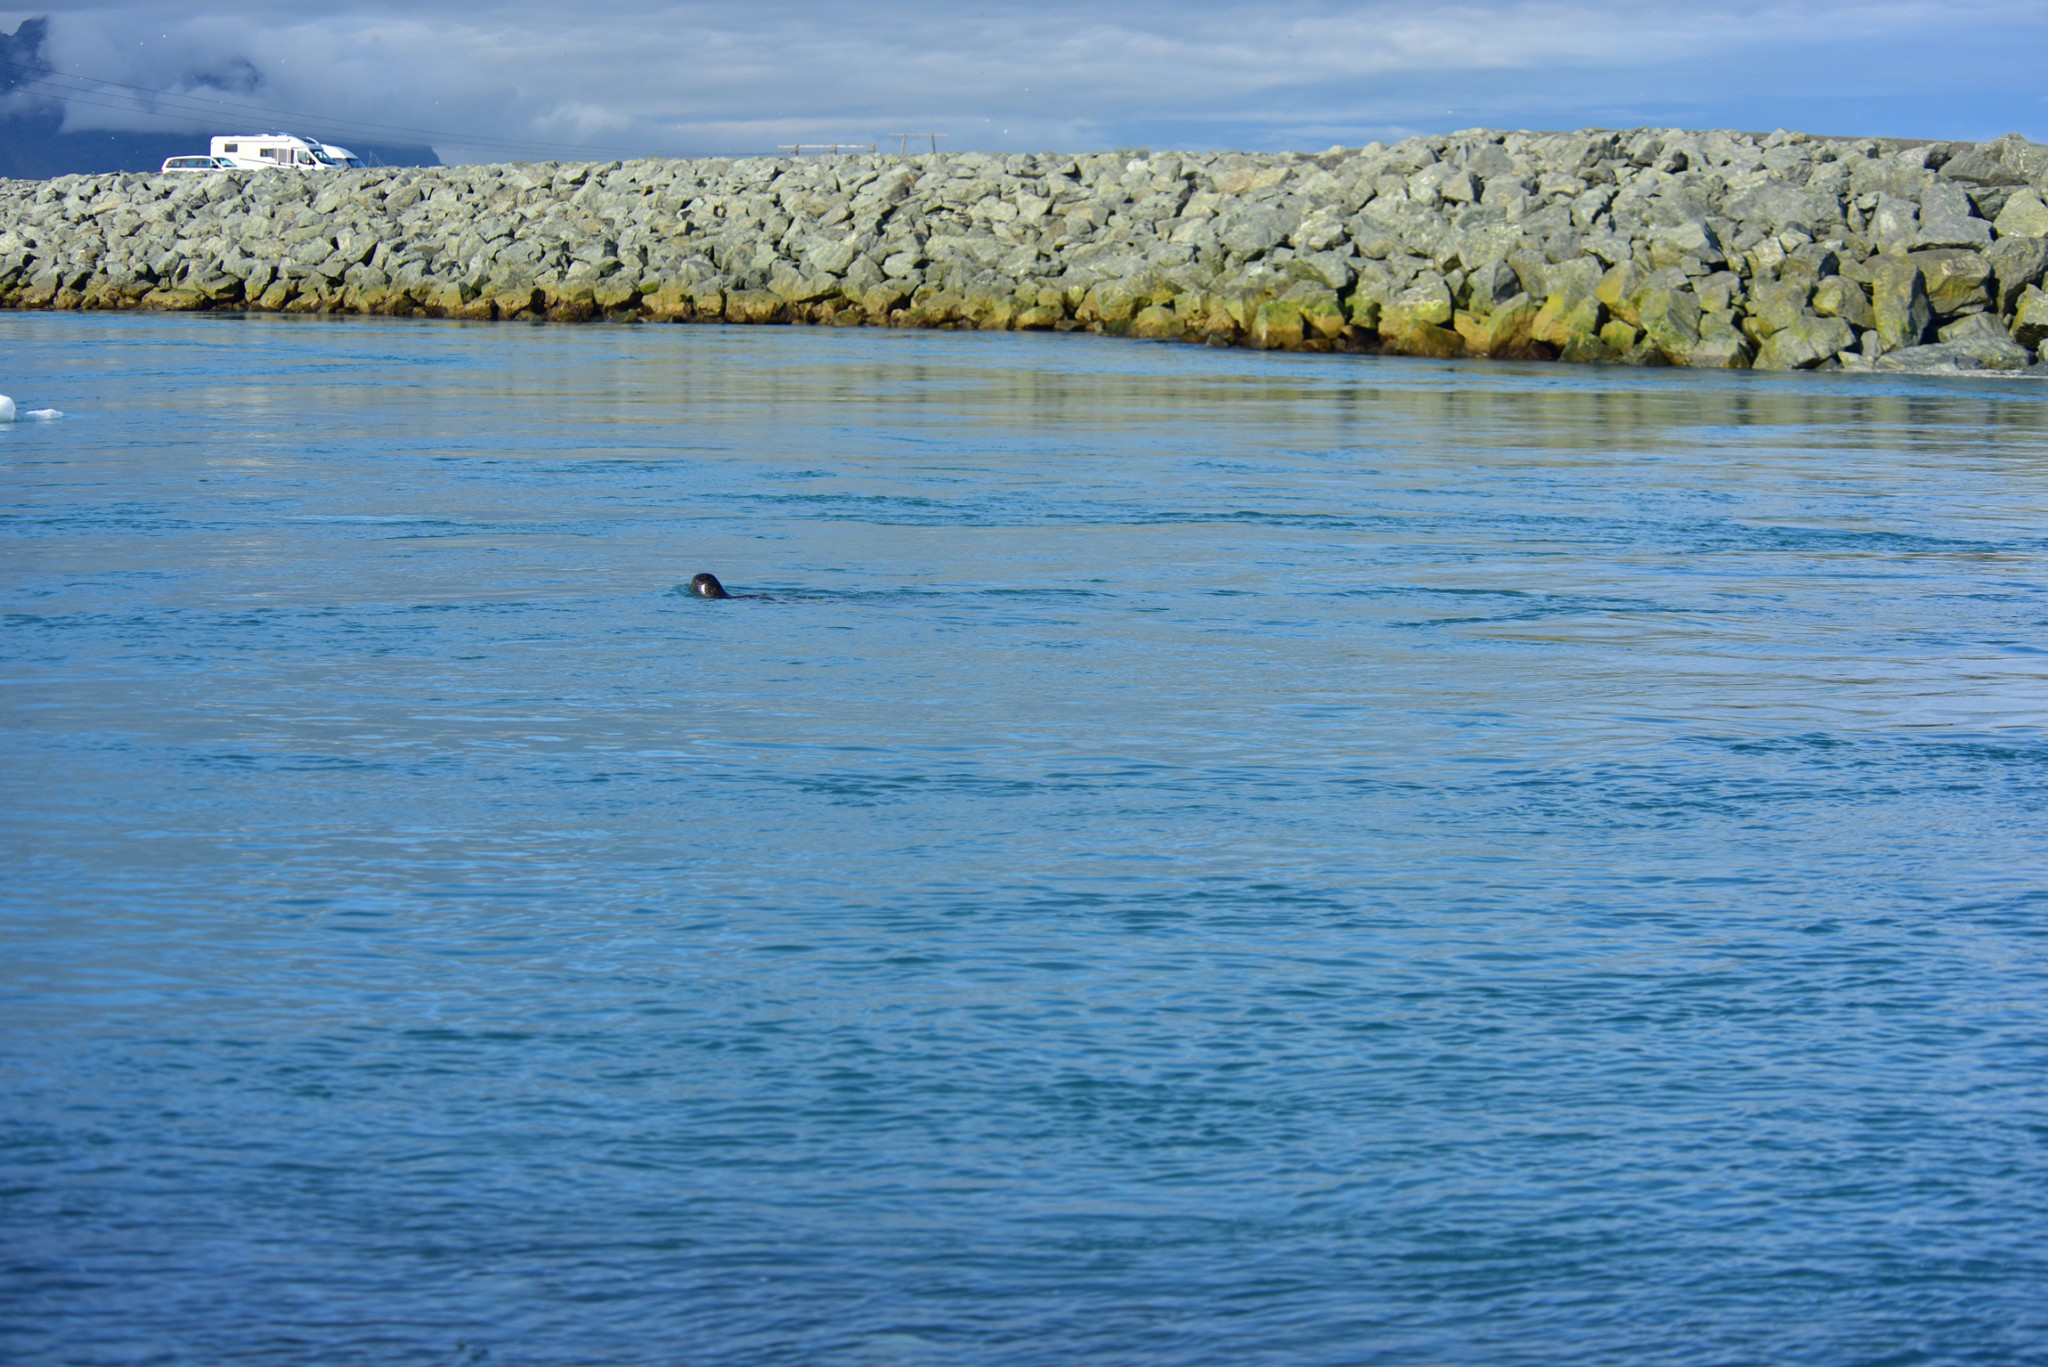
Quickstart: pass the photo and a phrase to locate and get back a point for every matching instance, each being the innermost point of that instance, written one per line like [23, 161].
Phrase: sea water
[1173, 856]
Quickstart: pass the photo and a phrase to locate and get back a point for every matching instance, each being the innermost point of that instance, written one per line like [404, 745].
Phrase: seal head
[707, 586]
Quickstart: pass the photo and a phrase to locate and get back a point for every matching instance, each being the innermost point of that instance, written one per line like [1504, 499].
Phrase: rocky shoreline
[1644, 247]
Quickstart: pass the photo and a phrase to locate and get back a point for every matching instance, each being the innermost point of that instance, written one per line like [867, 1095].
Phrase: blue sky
[499, 79]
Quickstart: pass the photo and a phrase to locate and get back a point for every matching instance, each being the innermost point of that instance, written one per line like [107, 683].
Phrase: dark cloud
[492, 80]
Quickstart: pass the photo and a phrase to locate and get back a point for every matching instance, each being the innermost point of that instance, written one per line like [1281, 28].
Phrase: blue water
[1184, 856]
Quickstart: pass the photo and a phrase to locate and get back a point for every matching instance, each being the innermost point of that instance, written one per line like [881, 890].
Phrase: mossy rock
[104, 297]
[1569, 316]
[1505, 332]
[570, 303]
[1110, 303]
[1721, 347]
[1669, 315]
[1777, 304]
[1277, 326]
[1206, 317]
[477, 308]
[1898, 299]
[513, 298]
[1804, 343]
[1840, 297]
[2030, 319]
[1618, 337]
[1589, 349]
[667, 302]
[2025, 215]
[880, 301]
[1322, 313]
[1426, 303]
[707, 302]
[1156, 322]
[755, 306]
[790, 284]
[932, 306]
[616, 293]
[1425, 339]
[176, 299]
[992, 312]
[1958, 280]
[1619, 289]
[1727, 351]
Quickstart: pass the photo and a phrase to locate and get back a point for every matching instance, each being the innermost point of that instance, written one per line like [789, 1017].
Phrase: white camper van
[341, 156]
[274, 151]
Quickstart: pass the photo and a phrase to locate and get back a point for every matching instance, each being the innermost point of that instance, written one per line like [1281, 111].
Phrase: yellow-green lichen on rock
[1641, 246]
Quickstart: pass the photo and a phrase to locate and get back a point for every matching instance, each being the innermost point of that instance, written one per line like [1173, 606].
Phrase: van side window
[231, 147]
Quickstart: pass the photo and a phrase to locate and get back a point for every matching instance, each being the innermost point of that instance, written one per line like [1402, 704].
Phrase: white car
[198, 164]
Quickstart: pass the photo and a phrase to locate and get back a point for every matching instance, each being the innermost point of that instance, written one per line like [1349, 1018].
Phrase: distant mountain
[33, 145]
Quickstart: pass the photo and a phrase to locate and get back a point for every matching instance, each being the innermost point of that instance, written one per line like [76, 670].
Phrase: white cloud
[476, 79]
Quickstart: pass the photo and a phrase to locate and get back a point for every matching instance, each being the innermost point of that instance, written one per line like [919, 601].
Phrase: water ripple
[1176, 856]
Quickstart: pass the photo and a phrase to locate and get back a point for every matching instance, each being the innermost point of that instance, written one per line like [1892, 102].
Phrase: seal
[707, 586]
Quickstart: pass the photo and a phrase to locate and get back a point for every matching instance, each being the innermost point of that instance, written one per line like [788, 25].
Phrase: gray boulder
[1805, 342]
[1948, 219]
[1958, 280]
[2027, 159]
[1977, 327]
[1894, 224]
[1775, 205]
[1981, 166]
[1840, 297]
[2025, 215]
[2030, 319]
[1778, 304]
[2016, 262]
[1964, 357]
[1253, 230]
[1898, 298]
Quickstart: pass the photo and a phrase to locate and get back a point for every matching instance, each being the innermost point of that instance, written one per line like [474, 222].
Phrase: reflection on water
[1190, 856]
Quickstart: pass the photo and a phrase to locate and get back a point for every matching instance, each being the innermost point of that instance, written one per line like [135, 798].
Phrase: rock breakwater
[1648, 247]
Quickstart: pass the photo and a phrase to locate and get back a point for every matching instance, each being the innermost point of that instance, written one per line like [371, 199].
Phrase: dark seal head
[707, 586]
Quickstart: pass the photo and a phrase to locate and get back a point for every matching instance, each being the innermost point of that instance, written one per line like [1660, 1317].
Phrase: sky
[498, 80]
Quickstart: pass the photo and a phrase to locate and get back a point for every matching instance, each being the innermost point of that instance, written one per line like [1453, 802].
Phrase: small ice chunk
[8, 413]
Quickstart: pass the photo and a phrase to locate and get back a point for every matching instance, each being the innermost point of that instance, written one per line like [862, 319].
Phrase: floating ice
[7, 413]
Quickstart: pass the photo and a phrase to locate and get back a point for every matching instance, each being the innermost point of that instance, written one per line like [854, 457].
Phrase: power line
[207, 106]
